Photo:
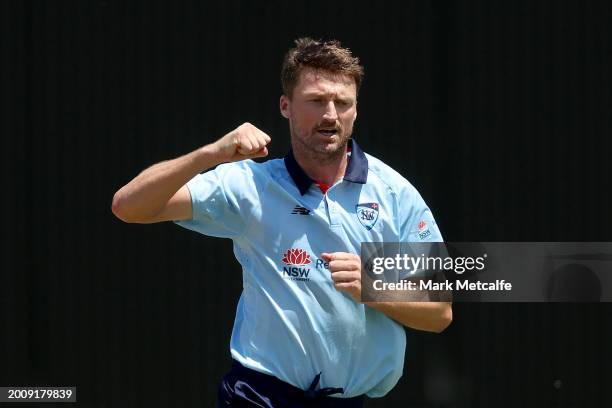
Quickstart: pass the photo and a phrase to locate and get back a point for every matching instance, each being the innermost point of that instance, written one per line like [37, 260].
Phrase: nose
[330, 111]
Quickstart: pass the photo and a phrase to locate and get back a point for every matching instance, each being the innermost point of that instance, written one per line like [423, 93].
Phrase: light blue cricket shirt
[291, 322]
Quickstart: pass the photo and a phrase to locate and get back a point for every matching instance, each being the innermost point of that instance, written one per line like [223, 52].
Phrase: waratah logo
[296, 256]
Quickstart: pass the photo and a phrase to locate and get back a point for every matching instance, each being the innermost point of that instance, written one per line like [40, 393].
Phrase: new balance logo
[300, 210]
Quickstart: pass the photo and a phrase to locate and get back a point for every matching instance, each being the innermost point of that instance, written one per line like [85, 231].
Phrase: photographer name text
[497, 285]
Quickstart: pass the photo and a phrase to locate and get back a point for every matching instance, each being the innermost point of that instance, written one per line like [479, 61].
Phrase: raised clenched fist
[244, 142]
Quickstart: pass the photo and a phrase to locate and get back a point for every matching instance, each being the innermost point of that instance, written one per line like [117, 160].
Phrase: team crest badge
[367, 214]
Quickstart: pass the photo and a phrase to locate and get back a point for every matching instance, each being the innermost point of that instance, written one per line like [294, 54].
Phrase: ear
[284, 106]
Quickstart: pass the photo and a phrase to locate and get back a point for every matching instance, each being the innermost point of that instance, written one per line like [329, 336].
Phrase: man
[302, 337]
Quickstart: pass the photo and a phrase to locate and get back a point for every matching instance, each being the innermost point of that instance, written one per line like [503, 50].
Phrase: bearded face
[321, 114]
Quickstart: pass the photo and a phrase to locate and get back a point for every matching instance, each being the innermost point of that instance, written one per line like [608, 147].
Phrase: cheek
[300, 124]
[307, 119]
[348, 118]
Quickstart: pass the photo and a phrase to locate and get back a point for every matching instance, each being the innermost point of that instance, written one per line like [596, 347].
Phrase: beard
[312, 145]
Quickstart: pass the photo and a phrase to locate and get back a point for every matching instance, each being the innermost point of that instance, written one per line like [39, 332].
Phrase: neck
[327, 169]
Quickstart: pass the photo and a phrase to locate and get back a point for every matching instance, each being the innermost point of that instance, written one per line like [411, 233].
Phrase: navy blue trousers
[242, 387]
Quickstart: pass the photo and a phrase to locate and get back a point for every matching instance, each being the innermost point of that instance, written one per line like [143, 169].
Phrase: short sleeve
[418, 227]
[223, 200]
[417, 221]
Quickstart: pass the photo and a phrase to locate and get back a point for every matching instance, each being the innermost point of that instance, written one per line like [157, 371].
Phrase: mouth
[327, 132]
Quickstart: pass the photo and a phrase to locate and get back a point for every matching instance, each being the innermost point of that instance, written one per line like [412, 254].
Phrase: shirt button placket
[332, 206]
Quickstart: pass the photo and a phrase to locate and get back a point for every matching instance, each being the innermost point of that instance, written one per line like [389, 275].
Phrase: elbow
[118, 207]
[445, 320]
[127, 212]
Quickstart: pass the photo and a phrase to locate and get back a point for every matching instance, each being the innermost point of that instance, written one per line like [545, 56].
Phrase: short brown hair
[325, 55]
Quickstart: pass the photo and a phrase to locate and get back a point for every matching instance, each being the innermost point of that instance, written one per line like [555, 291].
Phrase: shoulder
[249, 169]
[383, 174]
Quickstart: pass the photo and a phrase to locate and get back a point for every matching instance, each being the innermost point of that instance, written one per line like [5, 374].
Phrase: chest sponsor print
[298, 265]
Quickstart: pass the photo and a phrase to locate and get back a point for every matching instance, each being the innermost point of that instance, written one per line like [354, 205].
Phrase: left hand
[345, 270]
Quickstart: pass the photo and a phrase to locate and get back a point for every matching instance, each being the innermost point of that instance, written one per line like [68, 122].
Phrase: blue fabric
[291, 322]
[243, 387]
[356, 169]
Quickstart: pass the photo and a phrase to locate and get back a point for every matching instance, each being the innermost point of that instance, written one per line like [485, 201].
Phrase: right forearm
[147, 194]
[152, 195]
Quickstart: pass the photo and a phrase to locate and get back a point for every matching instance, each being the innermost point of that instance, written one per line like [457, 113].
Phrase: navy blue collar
[356, 169]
